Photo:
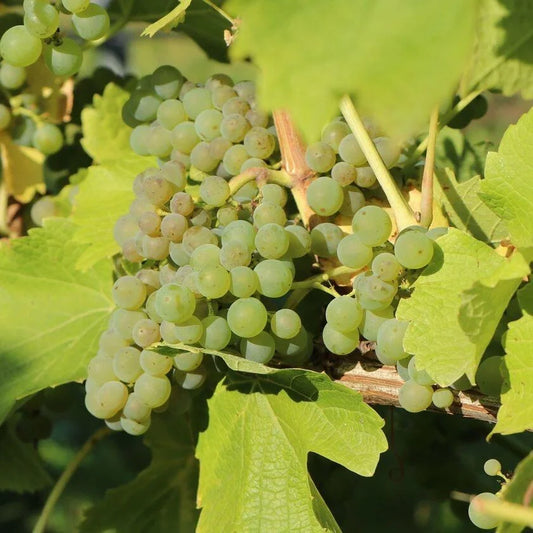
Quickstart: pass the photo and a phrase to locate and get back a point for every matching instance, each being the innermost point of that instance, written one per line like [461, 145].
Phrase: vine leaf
[264, 427]
[21, 468]
[516, 412]
[169, 21]
[51, 314]
[292, 45]
[508, 187]
[516, 491]
[457, 302]
[503, 49]
[162, 497]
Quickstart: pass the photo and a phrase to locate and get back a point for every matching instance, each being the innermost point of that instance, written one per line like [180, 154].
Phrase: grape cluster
[23, 44]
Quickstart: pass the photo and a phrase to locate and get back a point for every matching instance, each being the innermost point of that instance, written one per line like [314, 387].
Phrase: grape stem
[426, 201]
[61, 483]
[261, 175]
[221, 12]
[402, 212]
[502, 510]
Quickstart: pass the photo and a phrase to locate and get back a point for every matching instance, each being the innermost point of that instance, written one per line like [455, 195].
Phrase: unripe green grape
[338, 342]
[344, 313]
[285, 323]
[351, 152]
[159, 141]
[390, 341]
[156, 248]
[170, 113]
[154, 363]
[257, 118]
[234, 254]
[216, 334]
[267, 212]
[64, 59]
[188, 361]
[343, 173]
[220, 95]
[150, 223]
[388, 151]
[413, 249]
[167, 81]
[201, 217]
[75, 6]
[255, 162]
[372, 320]
[48, 139]
[275, 278]
[325, 239]
[492, 467]
[174, 302]
[197, 100]
[157, 190]
[5, 117]
[325, 196]
[191, 380]
[271, 192]
[126, 364]
[184, 137]
[168, 332]
[245, 89]
[136, 409]
[299, 241]
[128, 292]
[414, 397]
[218, 80]
[125, 228]
[42, 19]
[100, 369]
[196, 236]
[173, 227]
[477, 517]
[110, 341]
[132, 427]
[489, 377]
[259, 143]
[207, 124]
[213, 282]
[419, 376]
[150, 279]
[244, 282]
[154, 391]
[235, 105]
[353, 253]
[386, 266]
[189, 331]
[217, 148]
[139, 139]
[402, 368]
[214, 191]
[442, 398]
[123, 321]
[334, 132]
[234, 127]
[353, 200]
[234, 159]
[167, 274]
[365, 178]
[202, 158]
[247, 317]
[259, 348]
[295, 350]
[239, 230]
[373, 288]
[272, 241]
[19, 47]
[206, 255]
[12, 77]
[146, 332]
[372, 225]
[182, 203]
[320, 157]
[111, 397]
[227, 214]
[179, 254]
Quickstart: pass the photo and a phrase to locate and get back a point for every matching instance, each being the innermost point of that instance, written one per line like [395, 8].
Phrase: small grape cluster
[23, 44]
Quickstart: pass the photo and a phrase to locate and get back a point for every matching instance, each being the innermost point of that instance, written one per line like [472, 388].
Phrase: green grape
[139, 139]
[338, 342]
[275, 278]
[207, 124]
[150, 278]
[353, 253]
[170, 113]
[146, 332]
[299, 241]
[365, 178]
[244, 282]
[156, 248]
[234, 254]
[182, 203]
[297, 349]
[150, 223]
[12, 77]
[92, 23]
[235, 105]
[75, 6]
[167, 81]
[191, 380]
[188, 361]
[110, 341]
[48, 139]
[19, 47]
[218, 147]
[372, 225]
[234, 127]
[388, 151]
[413, 249]
[168, 332]
[246, 193]
[146, 105]
[241, 231]
[272, 241]
[442, 398]
[173, 227]
[372, 320]
[122, 321]
[113, 423]
[234, 159]
[402, 367]
[126, 364]
[196, 236]
[414, 397]
[43, 208]
[285, 323]
[128, 292]
[136, 409]
[259, 142]
[201, 217]
[197, 100]
[492, 467]
[218, 80]
[184, 137]
[273, 193]
[325, 239]
[245, 89]
[343, 173]
[100, 369]
[351, 152]
[214, 191]
[478, 517]
[390, 336]
[154, 363]
[5, 118]
[419, 376]
[259, 348]
[167, 274]
[353, 200]
[344, 314]
[386, 267]
[334, 133]
[42, 19]
[371, 289]
[213, 282]
[216, 334]
[325, 196]
[202, 159]
[206, 255]
[154, 391]
[489, 377]
[111, 397]
[125, 228]
[159, 141]
[220, 95]
[247, 317]
[267, 212]
[179, 254]
[320, 157]
[189, 331]
[64, 59]
[227, 214]
[151, 310]
[132, 427]
[174, 302]
[255, 162]
[257, 118]
[185, 88]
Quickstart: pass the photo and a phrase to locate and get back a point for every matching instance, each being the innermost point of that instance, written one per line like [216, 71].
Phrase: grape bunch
[22, 45]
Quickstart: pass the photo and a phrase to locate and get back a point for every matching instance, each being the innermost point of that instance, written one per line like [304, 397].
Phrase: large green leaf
[508, 187]
[253, 454]
[516, 491]
[51, 314]
[503, 50]
[104, 195]
[516, 412]
[399, 59]
[456, 305]
[162, 498]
